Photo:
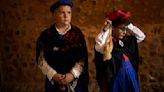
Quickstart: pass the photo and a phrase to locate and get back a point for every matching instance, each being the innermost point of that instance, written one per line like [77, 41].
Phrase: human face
[62, 16]
[120, 31]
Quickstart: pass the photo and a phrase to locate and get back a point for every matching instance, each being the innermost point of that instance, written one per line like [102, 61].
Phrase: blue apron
[126, 80]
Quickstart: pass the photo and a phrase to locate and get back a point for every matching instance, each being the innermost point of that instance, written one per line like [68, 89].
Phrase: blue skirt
[126, 80]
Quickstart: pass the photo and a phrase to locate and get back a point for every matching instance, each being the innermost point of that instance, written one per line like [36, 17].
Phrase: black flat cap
[59, 3]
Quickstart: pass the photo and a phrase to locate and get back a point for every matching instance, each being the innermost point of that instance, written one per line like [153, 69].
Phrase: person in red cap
[116, 54]
[61, 52]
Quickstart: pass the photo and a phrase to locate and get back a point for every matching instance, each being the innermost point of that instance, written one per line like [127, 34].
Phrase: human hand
[107, 25]
[69, 77]
[59, 78]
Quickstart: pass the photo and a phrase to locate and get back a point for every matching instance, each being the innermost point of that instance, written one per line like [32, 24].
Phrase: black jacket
[107, 70]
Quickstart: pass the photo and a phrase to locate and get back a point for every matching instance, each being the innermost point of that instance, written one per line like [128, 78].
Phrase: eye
[62, 12]
[69, 12]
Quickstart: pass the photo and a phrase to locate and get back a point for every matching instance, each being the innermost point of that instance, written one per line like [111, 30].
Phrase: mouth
[65, 20]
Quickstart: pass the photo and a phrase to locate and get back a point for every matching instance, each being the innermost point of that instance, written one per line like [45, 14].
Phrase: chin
[121, 37]
[67, 23]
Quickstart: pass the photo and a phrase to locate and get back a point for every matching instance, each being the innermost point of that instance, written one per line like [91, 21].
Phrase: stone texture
[21, 22]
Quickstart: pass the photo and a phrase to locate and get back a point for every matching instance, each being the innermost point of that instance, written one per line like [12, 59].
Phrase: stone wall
[21, 22]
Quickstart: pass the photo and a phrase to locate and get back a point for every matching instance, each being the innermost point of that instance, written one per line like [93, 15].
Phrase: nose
[124, 31]
[65, 15]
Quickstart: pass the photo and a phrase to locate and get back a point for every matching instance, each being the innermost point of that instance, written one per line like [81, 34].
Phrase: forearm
[45, 68]
[100, 41]
[77, 69]
[136, 32]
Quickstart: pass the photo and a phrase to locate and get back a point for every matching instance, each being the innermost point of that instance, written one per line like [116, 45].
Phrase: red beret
[118, 14]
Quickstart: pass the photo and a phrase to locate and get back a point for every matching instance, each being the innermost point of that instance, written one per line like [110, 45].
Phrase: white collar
[62, 33]
[121, 43]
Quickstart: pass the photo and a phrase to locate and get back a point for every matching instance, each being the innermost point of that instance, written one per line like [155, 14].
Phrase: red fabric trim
[125, 57]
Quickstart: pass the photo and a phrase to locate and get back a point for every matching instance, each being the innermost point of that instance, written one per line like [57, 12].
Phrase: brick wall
[21, 22]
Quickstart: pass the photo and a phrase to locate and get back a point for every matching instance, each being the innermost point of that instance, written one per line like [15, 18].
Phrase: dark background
[21, 22]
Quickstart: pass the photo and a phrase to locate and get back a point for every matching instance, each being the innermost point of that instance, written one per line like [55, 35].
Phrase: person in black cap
[116, 54]
[61, 52]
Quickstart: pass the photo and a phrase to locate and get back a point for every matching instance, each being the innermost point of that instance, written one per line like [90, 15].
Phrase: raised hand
[107, 25]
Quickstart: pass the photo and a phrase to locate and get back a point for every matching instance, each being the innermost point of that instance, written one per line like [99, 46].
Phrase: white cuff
[130, 26]
[45, 68]
[75, 73]
[77, 69]
[136, 32]
[100, 40]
